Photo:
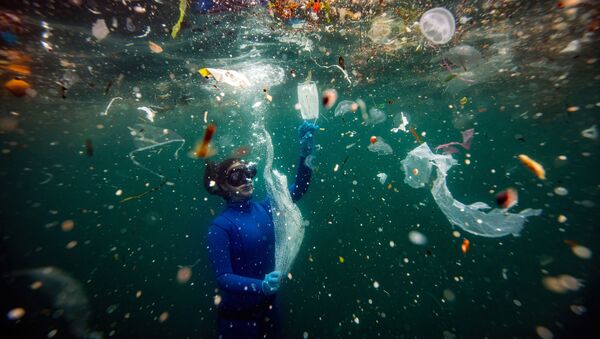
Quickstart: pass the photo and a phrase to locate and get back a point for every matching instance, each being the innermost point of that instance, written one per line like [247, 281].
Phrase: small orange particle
[20, 69]
[163, 317]
[17, 87]
[67, 225]
[373, 139]
[533, 166]
[465, 246]
[184, 274]
[154, 47]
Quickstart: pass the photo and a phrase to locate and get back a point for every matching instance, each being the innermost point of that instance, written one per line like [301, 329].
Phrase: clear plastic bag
[418, 166]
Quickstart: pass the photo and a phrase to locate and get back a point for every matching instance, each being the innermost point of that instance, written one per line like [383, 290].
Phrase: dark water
[357, 274]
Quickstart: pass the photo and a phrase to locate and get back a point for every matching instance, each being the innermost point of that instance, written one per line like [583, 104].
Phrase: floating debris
[533, 166]
[590, 133]
[507, 198]
[417, 238]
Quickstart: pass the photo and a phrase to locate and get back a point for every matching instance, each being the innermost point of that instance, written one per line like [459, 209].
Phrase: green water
[386, 286]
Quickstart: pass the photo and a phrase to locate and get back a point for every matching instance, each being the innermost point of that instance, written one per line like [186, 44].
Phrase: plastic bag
[308, 97]
[418, 166]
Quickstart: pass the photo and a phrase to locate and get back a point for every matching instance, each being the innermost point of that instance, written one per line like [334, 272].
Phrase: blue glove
[306, 137]
[271, 283]
[203, 6]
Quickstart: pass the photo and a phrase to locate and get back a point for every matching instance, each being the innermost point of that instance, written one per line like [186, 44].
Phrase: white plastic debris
[419, 164]
[230, 77]
[99, 29]
[573, 47]
[382, 177]
[590, 133]
[402, 123]
[150, 114]
[380, 147]
[308, 97]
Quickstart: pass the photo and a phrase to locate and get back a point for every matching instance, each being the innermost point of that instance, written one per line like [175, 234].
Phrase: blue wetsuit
[241, 247]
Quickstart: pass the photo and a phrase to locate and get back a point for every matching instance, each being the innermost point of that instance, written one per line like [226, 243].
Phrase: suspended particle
[67, 225]
[184, 274]
[544, 333]
[16, 313]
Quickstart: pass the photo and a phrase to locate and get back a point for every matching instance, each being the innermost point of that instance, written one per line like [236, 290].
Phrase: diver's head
[231, 179]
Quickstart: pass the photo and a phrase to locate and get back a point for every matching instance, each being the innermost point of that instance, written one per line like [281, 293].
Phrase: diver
[241, 245]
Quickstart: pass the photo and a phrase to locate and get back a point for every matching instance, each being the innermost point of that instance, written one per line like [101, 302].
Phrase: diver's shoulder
[221, 221]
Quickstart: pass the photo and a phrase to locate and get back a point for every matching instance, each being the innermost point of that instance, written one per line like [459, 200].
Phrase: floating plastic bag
[464, 56]
[344, 107]
[382, 177]
[380, 147]
[230, 77]
[385, 29]
[287, 218]
[308, 97]
[376, 116]
[438, 25]
[418, 166]
[466, 143]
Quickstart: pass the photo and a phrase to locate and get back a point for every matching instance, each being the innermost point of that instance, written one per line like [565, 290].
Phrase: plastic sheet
[308, 97]
[376, 116]
[147, 138]
[418, 166]
[380, 147]
[287, 218]
[230, 77]
[464, 56]
[344, 107]
[58, 293]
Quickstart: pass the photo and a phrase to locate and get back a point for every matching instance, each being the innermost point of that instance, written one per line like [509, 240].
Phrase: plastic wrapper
[418, 167]
[308, 97]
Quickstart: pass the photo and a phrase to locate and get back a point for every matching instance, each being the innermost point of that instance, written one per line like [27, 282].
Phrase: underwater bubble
[417, 238]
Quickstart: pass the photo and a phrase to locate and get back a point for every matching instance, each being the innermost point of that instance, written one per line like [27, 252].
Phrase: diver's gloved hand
[203, 6]
[306, 137]
[271, 283]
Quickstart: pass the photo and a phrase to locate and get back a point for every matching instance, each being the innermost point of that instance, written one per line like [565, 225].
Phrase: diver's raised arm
[304, 173]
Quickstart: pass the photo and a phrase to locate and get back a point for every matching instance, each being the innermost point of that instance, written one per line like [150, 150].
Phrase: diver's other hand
[271, 283]
[306, 138]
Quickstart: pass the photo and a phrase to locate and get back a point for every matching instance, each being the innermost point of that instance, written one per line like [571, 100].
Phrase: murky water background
[357, 274]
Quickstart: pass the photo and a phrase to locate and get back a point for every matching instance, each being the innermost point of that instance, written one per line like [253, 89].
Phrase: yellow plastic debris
[177, 26]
